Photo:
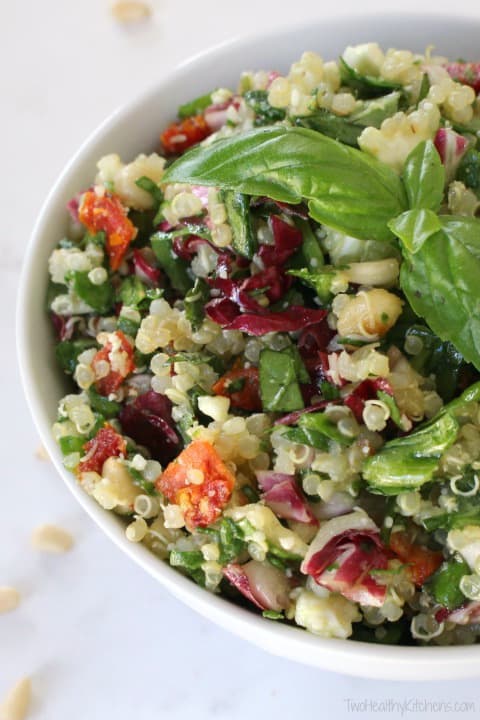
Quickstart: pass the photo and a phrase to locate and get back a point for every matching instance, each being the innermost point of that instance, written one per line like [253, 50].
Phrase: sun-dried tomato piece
[199, 482]
[105, 213]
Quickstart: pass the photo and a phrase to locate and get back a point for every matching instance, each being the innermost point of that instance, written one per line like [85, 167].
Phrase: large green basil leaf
[345, 188]
[424, 177]
[408, 462]
[441, 283]
[414, 227]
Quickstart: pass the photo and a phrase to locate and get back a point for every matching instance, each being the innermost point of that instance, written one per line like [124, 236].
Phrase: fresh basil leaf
[195, 106]
[469, 170]
[71, 443]
[237, 205]
[127, 326]
[132, 291]
[68, 351]
[467, 512]
[348, 129]
[373, 112]
[438, 357]
[424, 177]
[99, 403]
[345, 188]
[151, 187]
[279, 388]
[395, 413]
[441, 284]
[231, 540]
[414, 227]
[309, 255]
[319, 422]
[424, 88]
[331, 125]
[306, 436]
[367, 86]
[444, 583]
[321, 282]
[99, 297]
[265, 114]
[190, 561]
[408, 462]
[175, 267]
[195, 301]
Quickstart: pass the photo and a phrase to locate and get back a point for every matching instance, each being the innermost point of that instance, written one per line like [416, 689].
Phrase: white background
[99, 637]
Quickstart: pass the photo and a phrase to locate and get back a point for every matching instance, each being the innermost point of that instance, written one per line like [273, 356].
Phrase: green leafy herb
[367, 86]
[190, 561]
[195, 301]
[195, 106]
[348, 129]
[424, 88]
[99, 297]
[147, 486]
[127, 326]
[408, 462]
[309, 255]
[231, 539]
[438, 357]
[441, 283]
[424, 177]
[132, 291]
[265, 114]
[320, 281]
[175, 267]
[151, 187]
[415, 227]
[237, 206]
[469, 170]
[328, 390]
[395, 413]
[444, 584]
[99, 403]
[318, 422]
[68, 351]
[345, 188]
[279, 380]
[306, 436]
[71, 443]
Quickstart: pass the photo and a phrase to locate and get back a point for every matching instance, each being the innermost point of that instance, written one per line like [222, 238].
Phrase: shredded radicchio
[227, 314]
[344, 565]
[148, 421]
[145, 269]
[63, 325]
[451, 147]
[367, 390]
[238, 577]
[286, 240]
[282, 495]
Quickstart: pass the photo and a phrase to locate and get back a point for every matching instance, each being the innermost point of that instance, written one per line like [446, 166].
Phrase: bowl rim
[344, 656]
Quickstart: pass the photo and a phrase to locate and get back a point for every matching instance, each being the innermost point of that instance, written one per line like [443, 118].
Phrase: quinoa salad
[271, 329]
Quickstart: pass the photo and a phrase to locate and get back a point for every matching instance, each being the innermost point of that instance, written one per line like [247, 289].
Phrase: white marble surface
[99, 637]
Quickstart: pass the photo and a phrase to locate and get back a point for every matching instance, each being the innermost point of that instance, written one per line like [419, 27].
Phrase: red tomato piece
[106, 443]
[120, 357]
[201, 495]
[107, 214]
[242, 386]
[422, 562]
[467, 73]
[178, 137]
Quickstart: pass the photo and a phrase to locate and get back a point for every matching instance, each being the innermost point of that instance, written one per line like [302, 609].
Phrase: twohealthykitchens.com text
[412, 706]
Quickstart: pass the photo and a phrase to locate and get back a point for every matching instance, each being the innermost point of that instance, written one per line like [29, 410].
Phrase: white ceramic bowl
[135, 129]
